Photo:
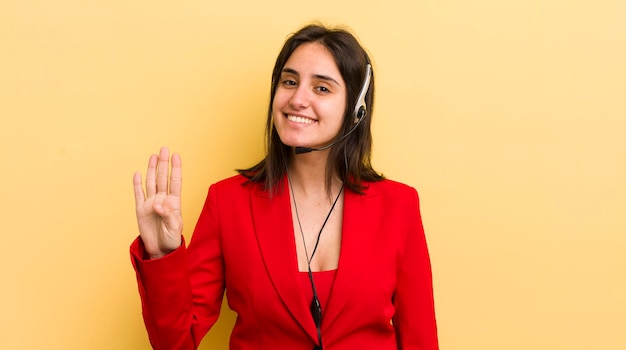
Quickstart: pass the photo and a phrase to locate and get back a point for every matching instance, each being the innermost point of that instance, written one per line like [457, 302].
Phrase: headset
[360, 112]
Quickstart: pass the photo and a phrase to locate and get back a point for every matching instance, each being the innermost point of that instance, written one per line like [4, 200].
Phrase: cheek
[277, 105]
[280, 99]
[334, 112]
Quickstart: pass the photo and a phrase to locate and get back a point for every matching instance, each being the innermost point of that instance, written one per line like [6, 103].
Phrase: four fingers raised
[158, 178]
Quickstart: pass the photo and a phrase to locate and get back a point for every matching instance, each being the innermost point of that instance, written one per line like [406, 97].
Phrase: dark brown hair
[350, 159]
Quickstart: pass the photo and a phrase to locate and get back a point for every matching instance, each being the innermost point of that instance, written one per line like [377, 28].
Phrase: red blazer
[244, 243]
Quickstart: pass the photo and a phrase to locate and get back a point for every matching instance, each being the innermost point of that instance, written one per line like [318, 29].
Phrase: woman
[314, 248]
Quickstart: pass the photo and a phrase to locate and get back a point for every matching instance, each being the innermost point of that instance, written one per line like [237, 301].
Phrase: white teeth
[296, 119]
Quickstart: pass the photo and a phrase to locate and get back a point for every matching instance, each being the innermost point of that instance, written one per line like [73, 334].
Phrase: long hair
[350, 159]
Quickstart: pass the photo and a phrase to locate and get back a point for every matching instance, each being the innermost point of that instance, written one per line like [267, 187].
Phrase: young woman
[313, 247]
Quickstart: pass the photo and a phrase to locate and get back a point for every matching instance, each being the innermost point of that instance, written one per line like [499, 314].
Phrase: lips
[299, 119]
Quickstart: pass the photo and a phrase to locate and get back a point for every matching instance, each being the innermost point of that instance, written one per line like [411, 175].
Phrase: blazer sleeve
[181, 293]
[414, 320]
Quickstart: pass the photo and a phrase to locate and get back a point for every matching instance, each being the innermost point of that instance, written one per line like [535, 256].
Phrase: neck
[308, 174]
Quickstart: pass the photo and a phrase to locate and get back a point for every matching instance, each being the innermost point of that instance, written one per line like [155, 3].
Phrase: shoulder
[390, 196]
[231, 182]
[393, 194]
[237, 184]
[389, 187]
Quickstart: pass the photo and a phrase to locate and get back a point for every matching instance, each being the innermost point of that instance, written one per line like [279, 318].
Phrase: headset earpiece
[360, 110]
[360, 114]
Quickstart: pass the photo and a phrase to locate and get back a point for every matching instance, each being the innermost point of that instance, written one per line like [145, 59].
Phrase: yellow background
[508, 116]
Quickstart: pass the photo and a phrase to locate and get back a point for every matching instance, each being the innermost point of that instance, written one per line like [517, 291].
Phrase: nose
[300, 98]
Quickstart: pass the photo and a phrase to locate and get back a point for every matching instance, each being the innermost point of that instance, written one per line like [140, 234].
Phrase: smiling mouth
[300, 120]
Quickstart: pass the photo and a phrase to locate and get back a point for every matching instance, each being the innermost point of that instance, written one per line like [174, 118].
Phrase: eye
[323, 89]
[289, 83]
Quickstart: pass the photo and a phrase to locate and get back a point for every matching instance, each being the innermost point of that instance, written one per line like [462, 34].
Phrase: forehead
[313, 59]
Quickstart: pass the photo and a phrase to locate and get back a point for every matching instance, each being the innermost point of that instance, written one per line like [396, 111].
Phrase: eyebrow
[316, 76]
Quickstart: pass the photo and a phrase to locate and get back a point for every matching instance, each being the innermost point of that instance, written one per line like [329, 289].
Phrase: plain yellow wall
[508, 116]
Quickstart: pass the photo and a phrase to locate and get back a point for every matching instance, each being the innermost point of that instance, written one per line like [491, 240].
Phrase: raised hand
[158, 209]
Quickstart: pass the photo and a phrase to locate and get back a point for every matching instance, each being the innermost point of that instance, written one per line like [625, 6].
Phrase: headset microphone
[360, 112]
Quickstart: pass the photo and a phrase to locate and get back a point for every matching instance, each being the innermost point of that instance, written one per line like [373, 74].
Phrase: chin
[290, 142]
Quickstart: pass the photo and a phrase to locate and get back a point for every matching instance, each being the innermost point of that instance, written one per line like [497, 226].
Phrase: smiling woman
[310, 99]
[313, 247]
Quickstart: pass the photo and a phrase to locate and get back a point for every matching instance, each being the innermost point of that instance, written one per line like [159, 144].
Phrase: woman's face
[310, 98]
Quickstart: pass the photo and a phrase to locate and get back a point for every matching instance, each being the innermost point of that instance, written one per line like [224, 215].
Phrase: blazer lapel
[357, 248]
[274, 231]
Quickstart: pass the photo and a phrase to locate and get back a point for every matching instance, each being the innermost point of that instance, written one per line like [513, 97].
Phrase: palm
[158, 209]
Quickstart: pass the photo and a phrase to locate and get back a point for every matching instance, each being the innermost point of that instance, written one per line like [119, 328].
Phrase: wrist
[163, 253]
[157, 256]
